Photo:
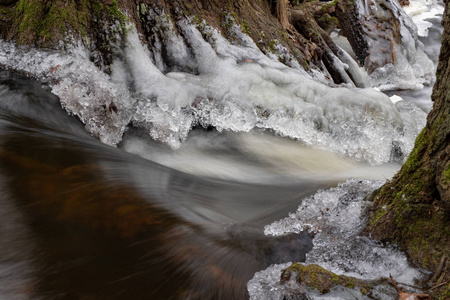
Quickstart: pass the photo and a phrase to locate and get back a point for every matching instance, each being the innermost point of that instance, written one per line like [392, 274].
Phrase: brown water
[82, 220]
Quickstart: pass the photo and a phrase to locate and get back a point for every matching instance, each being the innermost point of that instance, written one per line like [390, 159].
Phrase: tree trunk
[413, 209]
[282, 13]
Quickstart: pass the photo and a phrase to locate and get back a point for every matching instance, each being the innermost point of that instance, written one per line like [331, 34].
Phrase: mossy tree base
[46, 23]
[413, 210]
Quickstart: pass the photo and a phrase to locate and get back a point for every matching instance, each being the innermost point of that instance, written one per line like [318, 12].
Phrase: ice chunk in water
[336, 212]
[337, 215]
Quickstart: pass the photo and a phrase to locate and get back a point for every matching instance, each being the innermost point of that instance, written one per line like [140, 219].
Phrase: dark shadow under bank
[105, 224]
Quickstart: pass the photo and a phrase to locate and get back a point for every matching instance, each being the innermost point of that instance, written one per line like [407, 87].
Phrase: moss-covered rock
[316, 277]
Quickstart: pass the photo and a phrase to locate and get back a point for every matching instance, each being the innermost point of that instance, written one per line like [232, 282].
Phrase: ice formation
[412, 68]
[266, 285]
[205, 80]
[334, 212]
[104, 106]
[337, 216]
[422, 11]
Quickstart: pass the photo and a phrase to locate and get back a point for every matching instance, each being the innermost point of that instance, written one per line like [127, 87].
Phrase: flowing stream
[178, 213]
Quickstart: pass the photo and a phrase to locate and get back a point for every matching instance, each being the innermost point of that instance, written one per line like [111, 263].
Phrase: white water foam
[255, 158]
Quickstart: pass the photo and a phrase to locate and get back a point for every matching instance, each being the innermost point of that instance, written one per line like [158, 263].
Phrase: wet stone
[316, 277]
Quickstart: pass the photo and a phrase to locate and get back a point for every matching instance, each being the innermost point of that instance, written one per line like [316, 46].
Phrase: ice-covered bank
[228, 87]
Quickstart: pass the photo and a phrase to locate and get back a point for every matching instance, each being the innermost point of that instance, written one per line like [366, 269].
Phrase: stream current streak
[82, 220]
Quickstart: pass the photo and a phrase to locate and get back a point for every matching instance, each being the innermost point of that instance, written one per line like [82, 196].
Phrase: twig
[439, 285]
[392, 282]
[401, 283]
[403, 295]
[439, 269]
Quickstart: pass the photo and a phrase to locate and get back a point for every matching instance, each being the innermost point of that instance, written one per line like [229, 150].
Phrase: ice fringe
[230, 87]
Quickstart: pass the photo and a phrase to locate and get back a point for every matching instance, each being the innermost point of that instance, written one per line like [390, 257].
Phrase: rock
[316, 277]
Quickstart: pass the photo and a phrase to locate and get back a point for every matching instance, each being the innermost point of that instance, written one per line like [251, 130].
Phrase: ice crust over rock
[337, 216]
[205, 80]
[238, 88]
[104, 106]
[337, 211]
[412, 68]
[266, 284]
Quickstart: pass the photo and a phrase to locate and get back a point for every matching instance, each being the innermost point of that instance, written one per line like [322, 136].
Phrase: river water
[154, 218]
[82, 219]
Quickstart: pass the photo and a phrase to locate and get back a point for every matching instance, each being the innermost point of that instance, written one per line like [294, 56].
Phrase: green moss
[320, 279]
[326, 6]
[445, 292]
[326, 21]
[272, 45]
[197, 20]
[30, 12]
[46, 23]
[245, 27]
[445, 179]
[379, 214]
[97, 8]
[416, 227]
[115, 13]
[405, 213]
[230, 18]
[414, 158]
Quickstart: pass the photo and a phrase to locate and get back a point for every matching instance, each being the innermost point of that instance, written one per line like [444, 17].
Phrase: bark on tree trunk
[413, 209]
[282, 14]
[326, 50]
